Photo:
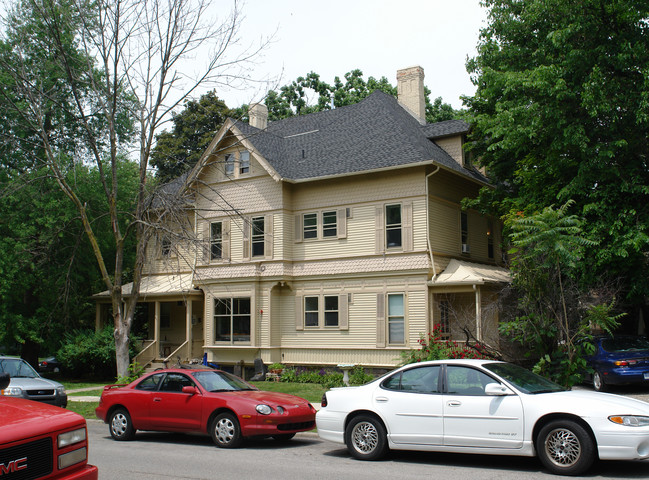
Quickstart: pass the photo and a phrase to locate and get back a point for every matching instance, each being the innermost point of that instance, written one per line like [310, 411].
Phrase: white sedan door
[411, 404]
[474, 419]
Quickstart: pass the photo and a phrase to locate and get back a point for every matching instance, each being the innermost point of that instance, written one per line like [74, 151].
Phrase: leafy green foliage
[294, 98]
[328, 379]
[178, 150]
[553, 317]
[90, 354]
[436, 347]
[561, 111]
[135, 371]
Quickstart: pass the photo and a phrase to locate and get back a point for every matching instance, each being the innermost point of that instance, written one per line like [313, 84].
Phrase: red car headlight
[264, 409]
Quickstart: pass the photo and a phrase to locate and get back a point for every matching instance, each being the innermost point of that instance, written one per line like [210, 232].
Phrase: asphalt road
[175, 456]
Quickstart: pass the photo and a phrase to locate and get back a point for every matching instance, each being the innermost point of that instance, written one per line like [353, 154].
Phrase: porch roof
[459, 272]
[160, 285]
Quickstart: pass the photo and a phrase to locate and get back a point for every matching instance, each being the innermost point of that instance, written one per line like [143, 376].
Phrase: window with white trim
[322, 311]
[257, 238]
[396, 318]
[232, 320]
[393, 226]
[244, 162]
[310, 225]
[229, 163]
[330, 224]
[311, 311]
[216, 240]
[165, 246]
[464, 229]
[331, 311]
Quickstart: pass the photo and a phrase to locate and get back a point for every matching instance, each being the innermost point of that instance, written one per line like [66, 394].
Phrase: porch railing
[147, 354]
[175, 353]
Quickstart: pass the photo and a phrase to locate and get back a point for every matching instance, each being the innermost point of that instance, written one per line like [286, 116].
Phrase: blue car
[619, 360]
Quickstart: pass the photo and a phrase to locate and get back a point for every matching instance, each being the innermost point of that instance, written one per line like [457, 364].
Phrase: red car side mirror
[190, 390]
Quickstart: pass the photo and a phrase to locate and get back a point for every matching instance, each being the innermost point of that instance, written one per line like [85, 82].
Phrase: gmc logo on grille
[13, 466]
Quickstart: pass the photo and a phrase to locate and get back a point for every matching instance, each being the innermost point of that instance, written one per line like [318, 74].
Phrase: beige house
[329, 238]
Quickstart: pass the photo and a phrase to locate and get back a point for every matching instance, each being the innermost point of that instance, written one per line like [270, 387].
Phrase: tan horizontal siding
[444, 227]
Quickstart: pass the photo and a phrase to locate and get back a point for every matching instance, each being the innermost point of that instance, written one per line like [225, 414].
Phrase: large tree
[310, 94]
[561, 112]
[121, 58]
[178, 150]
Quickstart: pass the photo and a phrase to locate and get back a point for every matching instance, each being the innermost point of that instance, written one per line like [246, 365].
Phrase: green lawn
[309, 391]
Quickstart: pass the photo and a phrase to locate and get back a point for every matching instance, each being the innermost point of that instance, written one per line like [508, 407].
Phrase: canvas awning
[160, 285]
[459, 273]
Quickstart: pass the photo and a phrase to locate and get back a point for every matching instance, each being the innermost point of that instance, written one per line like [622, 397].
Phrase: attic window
[229, 163]
[244, 162]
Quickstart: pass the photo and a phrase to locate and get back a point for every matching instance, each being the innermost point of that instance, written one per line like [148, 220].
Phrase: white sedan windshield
[523, 379]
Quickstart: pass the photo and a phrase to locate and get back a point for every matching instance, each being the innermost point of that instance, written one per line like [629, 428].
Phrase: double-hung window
[393, 226]
[311, 311]
[244, 162]
[229, 163]
[330, 224]
[323, 311]
[165, 246]
[258, 233]
[232, 320]
[216, 240]
[331, 311]
[396, 318]
[310, 222]
[464, 228]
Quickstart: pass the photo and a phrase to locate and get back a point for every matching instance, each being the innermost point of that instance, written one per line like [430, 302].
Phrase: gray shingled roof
[373, 134]
[445, 129]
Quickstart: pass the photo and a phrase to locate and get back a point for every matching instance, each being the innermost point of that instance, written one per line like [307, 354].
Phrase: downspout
[430, 250]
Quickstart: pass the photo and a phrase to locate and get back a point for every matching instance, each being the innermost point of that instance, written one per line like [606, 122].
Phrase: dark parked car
[50, 364]
[619, 360]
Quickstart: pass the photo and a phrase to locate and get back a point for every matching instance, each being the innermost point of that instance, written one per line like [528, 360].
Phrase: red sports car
[202, 400]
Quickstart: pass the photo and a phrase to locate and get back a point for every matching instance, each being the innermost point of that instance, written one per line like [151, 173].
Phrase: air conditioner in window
[466, 248]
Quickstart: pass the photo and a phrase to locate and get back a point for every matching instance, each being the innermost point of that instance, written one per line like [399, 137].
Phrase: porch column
[188, 326]
[478, 312]
[156, 323]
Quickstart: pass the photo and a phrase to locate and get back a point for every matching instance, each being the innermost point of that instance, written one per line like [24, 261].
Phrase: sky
[379, 37]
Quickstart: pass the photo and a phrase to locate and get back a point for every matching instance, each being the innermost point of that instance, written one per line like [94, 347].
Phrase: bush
[434, 347]
[323, 377]
[90, 354]
[357, 376]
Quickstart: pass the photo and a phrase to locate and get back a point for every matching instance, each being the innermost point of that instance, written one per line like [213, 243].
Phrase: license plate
[646, 375]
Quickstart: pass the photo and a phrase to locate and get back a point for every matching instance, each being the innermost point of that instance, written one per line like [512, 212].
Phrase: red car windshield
[214, 381]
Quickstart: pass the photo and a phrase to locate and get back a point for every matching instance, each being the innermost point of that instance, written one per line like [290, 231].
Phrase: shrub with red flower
[435, 347]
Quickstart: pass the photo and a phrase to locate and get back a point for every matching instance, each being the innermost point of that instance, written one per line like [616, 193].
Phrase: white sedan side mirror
[497, 389]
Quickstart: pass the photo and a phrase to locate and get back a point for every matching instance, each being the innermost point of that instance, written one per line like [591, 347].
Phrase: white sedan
[486, 407]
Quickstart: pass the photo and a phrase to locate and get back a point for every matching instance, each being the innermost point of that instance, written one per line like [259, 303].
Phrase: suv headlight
[60, 390]
[13, 391]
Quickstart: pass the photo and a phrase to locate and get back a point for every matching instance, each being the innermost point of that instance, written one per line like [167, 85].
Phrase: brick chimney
[410, 90]
[258, 115]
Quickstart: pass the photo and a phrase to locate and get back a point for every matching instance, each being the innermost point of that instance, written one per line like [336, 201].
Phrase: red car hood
[272, 398]
[21, 419]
